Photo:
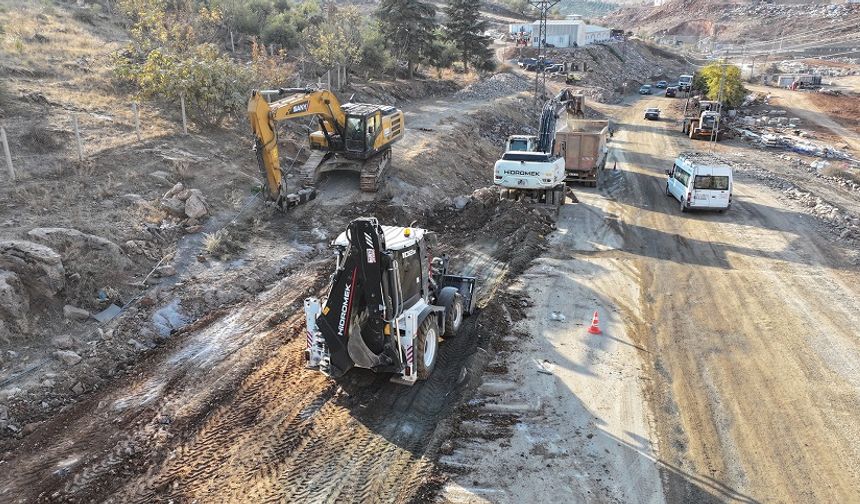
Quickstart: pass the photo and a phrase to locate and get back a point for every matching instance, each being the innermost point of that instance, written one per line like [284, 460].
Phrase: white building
[596, 34]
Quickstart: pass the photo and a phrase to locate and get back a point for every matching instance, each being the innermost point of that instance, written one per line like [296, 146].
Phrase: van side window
[682, 176]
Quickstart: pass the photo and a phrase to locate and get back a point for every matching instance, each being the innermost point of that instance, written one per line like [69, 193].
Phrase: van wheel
[426, 348]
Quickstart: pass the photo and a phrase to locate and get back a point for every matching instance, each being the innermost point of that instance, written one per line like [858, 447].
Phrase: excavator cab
[356, 134]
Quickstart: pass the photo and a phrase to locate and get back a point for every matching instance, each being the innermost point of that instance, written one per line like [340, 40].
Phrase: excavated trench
[228, 412]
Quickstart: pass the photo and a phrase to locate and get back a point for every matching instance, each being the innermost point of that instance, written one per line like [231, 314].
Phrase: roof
[704, 158]
[570, 22]
[594, 29]
[395, 238]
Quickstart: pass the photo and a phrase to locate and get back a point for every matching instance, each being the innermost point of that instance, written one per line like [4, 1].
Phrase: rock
[40, 268]
[63, 342]
[68, 357]
[176, 189]
[78, 250]
[165, 271]
[78, 388]
[193, 229]
[14, 302]
[195, 207]
[4, 413]
[74, 313]
[136, 344]
[460, 202]
[174, 207]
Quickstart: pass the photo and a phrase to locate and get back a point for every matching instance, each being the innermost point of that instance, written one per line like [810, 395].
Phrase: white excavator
[530, 170]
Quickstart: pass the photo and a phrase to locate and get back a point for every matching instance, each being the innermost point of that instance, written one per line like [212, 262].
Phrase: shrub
[279, 29]
[213, 85]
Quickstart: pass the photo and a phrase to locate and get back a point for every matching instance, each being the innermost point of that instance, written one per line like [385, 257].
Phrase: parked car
[646, 89]
[526, 62]
[671, 91]
[662, 84]
[652, 114]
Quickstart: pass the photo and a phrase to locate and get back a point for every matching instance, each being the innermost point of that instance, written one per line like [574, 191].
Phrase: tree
[338, 41]
[408, 27]
[465, 28]
[733, 91]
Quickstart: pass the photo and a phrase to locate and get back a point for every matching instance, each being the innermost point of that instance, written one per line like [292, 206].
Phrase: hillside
[738, 22]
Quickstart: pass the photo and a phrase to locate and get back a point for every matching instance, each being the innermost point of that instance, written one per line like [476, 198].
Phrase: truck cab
[685, 82]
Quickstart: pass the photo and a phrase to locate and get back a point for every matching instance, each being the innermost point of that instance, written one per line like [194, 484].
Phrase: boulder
[67, 357]
[40, 268]
[63, 342]
[74, 313]
[195, 206]
[176, 189]
[70, 241]
[14, 302]
[173, 206]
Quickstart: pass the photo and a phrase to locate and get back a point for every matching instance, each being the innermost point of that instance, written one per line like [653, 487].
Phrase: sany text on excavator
[388, 305]
[351, 136]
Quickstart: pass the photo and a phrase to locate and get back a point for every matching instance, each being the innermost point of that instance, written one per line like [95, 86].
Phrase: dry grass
[40, 139]
[221, 244]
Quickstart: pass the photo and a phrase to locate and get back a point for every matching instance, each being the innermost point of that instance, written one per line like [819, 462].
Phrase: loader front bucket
[466, 286]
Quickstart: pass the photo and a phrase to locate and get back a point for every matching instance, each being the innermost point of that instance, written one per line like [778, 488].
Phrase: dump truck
[582, 145]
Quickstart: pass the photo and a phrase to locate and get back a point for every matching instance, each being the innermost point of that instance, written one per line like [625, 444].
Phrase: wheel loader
[389, 304]
[352, 136]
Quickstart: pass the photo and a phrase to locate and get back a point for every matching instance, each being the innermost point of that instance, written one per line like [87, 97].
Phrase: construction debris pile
[503, 84]
[773, 128]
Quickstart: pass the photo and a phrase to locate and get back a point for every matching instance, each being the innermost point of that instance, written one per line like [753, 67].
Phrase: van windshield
[711, 182]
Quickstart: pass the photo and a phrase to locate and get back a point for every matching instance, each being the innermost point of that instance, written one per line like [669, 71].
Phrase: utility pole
[715, 132]
[543, 7]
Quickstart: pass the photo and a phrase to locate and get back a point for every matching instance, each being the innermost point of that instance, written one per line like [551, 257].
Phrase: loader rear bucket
[466, 286]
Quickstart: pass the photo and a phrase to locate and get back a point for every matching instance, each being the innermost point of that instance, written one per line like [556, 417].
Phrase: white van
[700, 181]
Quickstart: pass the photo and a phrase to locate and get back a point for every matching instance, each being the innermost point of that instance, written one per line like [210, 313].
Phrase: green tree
[733, 91]
[408, 27]
[338, 41]
[465, 28]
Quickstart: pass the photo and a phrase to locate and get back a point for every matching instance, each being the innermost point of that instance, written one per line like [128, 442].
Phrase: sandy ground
[583, 434]
[741, 328]
[799, 103]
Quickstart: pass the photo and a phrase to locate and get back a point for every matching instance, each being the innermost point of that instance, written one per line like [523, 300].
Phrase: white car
[700, 181]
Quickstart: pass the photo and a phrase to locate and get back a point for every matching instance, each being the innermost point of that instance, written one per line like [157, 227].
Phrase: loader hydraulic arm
[293, 103]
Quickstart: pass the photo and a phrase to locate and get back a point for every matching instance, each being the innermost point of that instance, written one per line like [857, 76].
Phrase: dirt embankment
[605, 72]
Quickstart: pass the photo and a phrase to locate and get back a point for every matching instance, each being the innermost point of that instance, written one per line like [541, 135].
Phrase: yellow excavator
[351, 136]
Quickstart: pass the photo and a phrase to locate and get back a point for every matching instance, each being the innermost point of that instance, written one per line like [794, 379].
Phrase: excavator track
[373, 170]
[308, 172]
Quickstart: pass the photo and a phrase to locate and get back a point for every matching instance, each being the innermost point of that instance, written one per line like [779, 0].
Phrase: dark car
[646, 89]
[662, 84]
[671, 91]
[652, 114]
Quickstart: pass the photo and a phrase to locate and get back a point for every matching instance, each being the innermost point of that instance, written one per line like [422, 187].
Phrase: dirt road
[750, 318]
[740, 327]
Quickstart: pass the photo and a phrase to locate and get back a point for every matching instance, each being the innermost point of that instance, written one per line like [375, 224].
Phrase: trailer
[582, 145]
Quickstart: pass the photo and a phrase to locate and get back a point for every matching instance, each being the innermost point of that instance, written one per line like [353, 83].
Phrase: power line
[543, 7]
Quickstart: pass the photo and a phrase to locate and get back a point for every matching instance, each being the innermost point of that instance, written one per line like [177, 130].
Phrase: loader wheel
[426, 348]
[454, 317]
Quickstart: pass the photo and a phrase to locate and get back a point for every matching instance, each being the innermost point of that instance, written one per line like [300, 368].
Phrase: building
[597, 34]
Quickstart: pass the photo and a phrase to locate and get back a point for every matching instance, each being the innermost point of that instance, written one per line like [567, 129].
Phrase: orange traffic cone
[595, 328]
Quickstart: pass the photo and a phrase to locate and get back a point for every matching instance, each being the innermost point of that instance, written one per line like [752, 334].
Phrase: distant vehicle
[652, 114]
[700, 181]
[526, 61]
[662, 85]
[671, 91]
[556, 68]
[685, 82]
[646, 89]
